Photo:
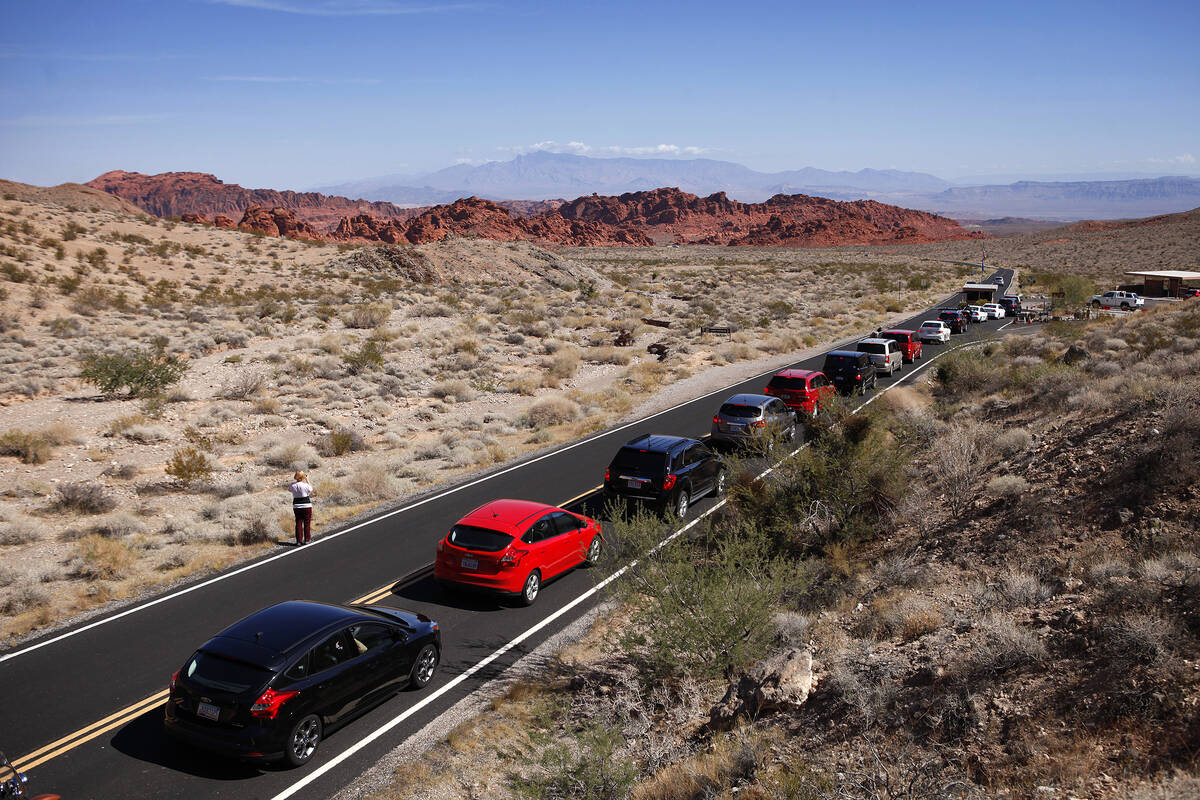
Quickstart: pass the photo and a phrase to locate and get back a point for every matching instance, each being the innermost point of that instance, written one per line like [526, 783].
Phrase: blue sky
[298, 93]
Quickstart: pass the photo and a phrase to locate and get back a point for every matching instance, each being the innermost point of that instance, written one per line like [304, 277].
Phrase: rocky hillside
[784, 220]
[173, 194]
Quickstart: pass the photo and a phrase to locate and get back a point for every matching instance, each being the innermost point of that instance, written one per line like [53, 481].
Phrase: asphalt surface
[63, 688]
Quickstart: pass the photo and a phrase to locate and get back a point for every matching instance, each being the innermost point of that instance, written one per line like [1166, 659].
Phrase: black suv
[851, 372]
[1010, 304]
[668, 472]
[271, 685]
[954, 319]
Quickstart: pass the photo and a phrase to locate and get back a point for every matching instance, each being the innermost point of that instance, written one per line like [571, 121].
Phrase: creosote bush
[189, 465]
[140, 372]
[85, 498]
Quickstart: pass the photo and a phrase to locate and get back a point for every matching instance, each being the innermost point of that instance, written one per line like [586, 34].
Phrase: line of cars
[272, 685]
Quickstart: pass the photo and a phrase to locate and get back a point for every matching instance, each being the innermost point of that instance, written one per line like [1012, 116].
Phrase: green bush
[140, 372]
[189, 465]
[595, 772]
[366, 358]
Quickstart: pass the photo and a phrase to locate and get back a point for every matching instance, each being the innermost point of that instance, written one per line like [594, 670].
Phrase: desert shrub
[429, 450]
[57, 433]
[564, 363]
[370, 315]
[146, 434]
[291, 455]
[609, 355]
[31, 448]
[244, 386]
[701, 608]
[189, 465]
[526, 384]
[959, 464]
[21, 530]
[366, 358]
[372, 481]
[25, 598]
[340, 442]
[257, 529]
[118, 526]
[1000, 645]
[551, 411]
[125, 471]
[1008, 486]
[459, 389]
[234, 485]
[593, 771]
[140, 373]
[1013, 441]
[267, 405]
[100, 558]
[85, 498]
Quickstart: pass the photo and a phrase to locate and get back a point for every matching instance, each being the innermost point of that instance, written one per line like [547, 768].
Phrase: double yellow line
[98, 728]
[119, 718]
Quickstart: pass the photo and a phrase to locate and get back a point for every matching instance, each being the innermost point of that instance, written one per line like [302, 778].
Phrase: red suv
[512, 546]
[908, 342]
[802, 390]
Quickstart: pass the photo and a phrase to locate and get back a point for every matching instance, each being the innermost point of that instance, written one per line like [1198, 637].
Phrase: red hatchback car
[908, 342]
[513, 546]
[802, 390]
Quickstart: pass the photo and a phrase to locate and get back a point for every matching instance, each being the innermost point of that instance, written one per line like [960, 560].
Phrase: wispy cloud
[347, 8]
[79, 120]
[291, 79]
[1184, 159]
[584, 149]
[16, 52]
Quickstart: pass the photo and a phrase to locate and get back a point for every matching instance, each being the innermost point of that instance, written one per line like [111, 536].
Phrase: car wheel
[303, 740]
[531, 589]
[719, 489]
[1095, 304]
[423, 668]
[682, 504]
[593, 551]
[1124, 306]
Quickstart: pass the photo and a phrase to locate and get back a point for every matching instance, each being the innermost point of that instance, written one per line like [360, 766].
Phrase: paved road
[60, 696]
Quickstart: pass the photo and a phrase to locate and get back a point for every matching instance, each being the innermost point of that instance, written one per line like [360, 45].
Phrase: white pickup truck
[1126, 301]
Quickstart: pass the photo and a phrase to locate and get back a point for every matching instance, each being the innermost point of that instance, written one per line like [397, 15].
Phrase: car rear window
[840, 362]
[903, 338]
[483, 539]
[744, 412]
[639, 462]
[224, 674]
[780, 382]
[871, 347]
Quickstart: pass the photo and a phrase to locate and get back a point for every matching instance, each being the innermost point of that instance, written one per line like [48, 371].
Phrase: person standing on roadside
[302, 505]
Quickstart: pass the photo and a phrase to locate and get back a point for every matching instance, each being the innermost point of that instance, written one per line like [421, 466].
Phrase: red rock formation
[783, 220]
[222, 221]
[277, 222]
[171, 194]
[195, 219]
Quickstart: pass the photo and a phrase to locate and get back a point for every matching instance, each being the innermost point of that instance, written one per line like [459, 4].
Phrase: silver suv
[884, 353]
[753, 417]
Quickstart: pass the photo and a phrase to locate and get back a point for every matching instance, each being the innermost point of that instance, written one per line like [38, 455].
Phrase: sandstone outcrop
[277, 222]
[781, 682]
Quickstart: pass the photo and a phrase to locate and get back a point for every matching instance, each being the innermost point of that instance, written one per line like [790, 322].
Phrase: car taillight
[716, 420]
[669, 482]
[607, 476]
[858, 377]
[174, 679]
[513, 557]
[759, 423]
[268, 703]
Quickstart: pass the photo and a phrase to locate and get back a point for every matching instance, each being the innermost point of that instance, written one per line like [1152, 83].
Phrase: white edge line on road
[463, 676]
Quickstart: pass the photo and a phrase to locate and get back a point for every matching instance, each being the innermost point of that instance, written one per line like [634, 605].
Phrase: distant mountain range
[542, 175]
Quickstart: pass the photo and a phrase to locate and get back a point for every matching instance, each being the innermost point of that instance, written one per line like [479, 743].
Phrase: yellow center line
[581, 495]
[73, 740]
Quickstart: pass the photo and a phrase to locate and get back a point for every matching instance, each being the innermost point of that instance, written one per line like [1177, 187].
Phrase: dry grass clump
[146, 434]
[19, 529]
[118, 526]
[291, 455]
[30, 448]
[85, 498]
[1013, 441]
[1001, 645]
[609, 355]
[373, 480]
[25, 598]
[340, 442]
[370, 315]
[455, 388]
[1008, 486]
[102, 558]
[551, 411]
[563, 364]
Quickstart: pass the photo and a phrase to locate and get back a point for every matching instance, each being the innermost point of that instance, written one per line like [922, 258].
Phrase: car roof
[658, 443]
[796, 373]
[747, 399]
[273, 633]
[932, 322]
[874, 340]
[505, 515]
[852, 353]
[898, 330]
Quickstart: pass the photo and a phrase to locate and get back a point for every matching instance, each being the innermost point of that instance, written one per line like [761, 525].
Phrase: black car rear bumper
[259, 744]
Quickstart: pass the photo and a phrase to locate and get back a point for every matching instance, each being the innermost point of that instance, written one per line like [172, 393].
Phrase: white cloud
[584, 149]
[1185, 159]
[345, 8]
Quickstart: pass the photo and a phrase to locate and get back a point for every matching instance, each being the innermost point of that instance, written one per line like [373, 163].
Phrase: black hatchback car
[851, 372]
[667, 472]
[270, 686]
[954, 319]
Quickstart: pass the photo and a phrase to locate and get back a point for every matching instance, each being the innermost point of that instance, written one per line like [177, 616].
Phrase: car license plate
[470, 563]
[787, 396]
[633, 483]
[208, 711]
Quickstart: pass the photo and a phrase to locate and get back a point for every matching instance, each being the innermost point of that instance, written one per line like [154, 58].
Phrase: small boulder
[781, 682]
[1075, 354]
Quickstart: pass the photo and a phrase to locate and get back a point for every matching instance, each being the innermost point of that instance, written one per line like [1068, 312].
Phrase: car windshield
[224, 674]
[931, 324]
[743, 412]
[639, 462]
[485, 540]
[872, 347]
[780, 382]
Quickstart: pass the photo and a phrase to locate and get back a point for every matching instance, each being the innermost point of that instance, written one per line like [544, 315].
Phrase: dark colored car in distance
[955, 319]
[514, 546]
[804, 391]
[851, 372]
[1011, 304]
[270, 686]
[908, 342]
[666, 472]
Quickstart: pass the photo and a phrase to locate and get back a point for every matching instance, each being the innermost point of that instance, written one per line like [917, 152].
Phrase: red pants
[303, 525]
